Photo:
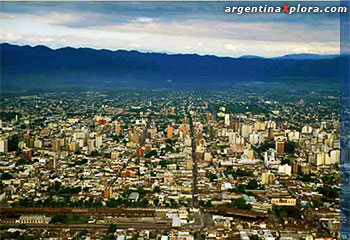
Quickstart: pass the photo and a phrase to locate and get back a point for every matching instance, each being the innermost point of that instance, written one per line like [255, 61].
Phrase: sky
[169, 27]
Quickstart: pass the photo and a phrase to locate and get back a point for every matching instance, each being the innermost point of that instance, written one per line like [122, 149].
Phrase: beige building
[189, 164]
[283, 201]
[3, 145]
[267, 178]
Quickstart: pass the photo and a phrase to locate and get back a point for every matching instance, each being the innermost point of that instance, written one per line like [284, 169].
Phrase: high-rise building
[61, 142]
[280, 145]
[210, 117]
[114, 155]
[38, 143]
[285, 169]
[250, 154]
[74, 146]
[246, 130]
[306, 129]
[267, 178]
[207, 157]
[271, 135]
[117, 128]
[56, 145]
[320, 159]
[227, 119]
[270, 124]
[98, 141]
[170, 131]
[335, 156]
[259, 126]
[27, 153]
[148, 147]
[31, 143]
[136, 137]
[140, 152]
[53, 163]
[236, 126]
[256, 138]
[3, 145]
[189, 164]
[91, 145]
[107, 193]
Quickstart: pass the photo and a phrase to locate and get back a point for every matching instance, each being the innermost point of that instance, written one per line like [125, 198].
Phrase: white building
[98, 141]
[285, 169]
[3, 145]
[227, 119]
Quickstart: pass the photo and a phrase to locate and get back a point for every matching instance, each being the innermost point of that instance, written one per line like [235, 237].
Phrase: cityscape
[170, 165]
[174, 120]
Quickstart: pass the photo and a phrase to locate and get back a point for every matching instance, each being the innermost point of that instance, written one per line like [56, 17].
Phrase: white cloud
[49, 18]
[145, 19]
[240, 30]
[230, 46]
[136, 46]
[9, 37]
[191, 36]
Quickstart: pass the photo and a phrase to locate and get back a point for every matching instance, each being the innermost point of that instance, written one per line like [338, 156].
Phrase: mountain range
[39, 67]
[299, 56]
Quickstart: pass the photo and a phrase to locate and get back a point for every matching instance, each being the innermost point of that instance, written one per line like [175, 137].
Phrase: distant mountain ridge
[303, 56]
[299, 56]
[42, 67]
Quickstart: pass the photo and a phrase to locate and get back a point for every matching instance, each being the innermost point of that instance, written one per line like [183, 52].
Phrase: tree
[212, 177]
[290, 147]
[144, 203]
[6, 176]
[284, 161]
[156, 189]
[59, 218]
[151, 153]
[173, 203]
[241, 204]
[21, 161]
[156, 201]
[94, 153]
[241, 188]
[255, 237]
[152, 236]
[13, 143]
[328, 192]
[163, 163]
[112, 228]
[265, 146]
[305, 177]
[288, 212]
[316, 203]
[328, 179]
[208, 203]
[23, 226]
[253, 184]
[135, 237]
[141, 190]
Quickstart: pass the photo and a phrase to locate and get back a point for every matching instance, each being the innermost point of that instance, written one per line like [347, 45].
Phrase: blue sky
[171, 27]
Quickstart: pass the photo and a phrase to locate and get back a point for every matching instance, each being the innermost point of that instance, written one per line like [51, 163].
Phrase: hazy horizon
[167, 53]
